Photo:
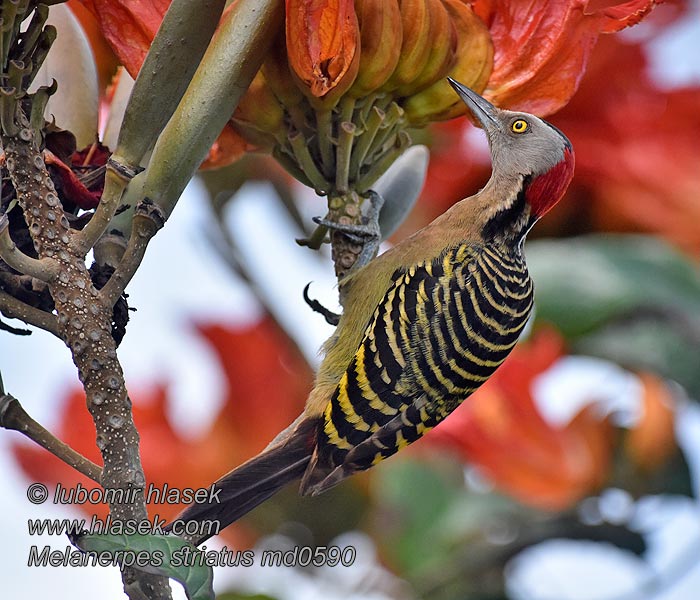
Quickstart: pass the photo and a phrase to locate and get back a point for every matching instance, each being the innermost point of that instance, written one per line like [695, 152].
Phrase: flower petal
[322, 39]
[652, 441]
[542, 47]
[129, 27]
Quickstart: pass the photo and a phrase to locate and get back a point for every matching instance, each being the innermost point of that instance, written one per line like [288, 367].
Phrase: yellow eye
[519, 126]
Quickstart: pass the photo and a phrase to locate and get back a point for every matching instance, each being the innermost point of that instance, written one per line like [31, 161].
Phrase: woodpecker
[424, 325]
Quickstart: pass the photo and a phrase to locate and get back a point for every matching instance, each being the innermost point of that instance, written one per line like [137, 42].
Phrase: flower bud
[473, 67]
[415, 45]
[322, 43]
[442, 53]
[259, 117]
[380, 34]
[278, 76]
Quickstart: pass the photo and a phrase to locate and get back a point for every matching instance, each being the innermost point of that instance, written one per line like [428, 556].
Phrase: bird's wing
[430, 343]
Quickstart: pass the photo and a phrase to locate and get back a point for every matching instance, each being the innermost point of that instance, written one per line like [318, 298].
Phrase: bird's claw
[357, 234]
[331, 317]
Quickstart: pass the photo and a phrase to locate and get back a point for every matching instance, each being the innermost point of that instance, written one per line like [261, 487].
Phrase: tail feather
[256, 480]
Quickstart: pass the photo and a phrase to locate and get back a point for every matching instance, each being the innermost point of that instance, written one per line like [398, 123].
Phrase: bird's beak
[482, 109]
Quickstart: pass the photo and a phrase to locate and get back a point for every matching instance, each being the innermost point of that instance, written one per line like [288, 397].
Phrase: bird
[424, 325]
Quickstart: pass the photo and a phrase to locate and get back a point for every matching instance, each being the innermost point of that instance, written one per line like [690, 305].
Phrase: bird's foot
[316, 239]
[368, 235]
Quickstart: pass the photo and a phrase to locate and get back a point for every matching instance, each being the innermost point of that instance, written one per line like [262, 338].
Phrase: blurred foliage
[450, 542]
[634, 301]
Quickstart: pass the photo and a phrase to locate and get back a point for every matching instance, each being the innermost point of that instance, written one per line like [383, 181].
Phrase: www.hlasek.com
[45, 556]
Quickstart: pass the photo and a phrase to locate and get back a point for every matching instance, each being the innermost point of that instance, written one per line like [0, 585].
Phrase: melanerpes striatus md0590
[425, 324]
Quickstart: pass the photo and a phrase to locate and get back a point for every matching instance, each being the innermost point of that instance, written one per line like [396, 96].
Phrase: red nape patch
[547, 189]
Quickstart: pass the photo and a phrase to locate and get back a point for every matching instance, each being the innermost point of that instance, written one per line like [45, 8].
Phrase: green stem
[316, 239]
[229, 65]
[364, 141]
[306, 162]
[324, 135]
[290, 164]
[345, 141]
[392, 123]
[346, 137]
[175, 53]
[403, 141]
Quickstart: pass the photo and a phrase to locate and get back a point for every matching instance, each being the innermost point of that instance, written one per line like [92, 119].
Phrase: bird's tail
[253, 482]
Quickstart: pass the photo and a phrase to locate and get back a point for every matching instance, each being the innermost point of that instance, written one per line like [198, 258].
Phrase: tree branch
[44, 269]
[16, 309]
[14, 417]
[85, 326]
[147, 221]
[116, 180]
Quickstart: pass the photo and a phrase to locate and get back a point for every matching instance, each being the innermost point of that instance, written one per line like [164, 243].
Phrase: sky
[183, 281]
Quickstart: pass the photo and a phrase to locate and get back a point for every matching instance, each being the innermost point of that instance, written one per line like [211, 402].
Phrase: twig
[44, 269]
[117, 178]
[14, 417]
[16, 309]
[147, 221]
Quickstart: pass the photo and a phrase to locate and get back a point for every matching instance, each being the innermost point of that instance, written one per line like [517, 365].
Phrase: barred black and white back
[441, 330]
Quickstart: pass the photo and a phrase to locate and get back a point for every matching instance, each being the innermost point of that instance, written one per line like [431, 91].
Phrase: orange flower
[543, 47]
[322, 41]
[636, 153]
[501, 431]
[129, 27]
[541, 51]
[637, 149]
[267, 385]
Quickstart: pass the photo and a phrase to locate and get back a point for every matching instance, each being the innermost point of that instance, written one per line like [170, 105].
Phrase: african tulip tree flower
[345, 80]
[392, 56]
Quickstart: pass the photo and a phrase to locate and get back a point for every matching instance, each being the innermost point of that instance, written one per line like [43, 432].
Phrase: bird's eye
[519, 126]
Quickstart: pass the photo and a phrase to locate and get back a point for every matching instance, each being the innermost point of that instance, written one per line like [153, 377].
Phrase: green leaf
[165, 555]
[647, 344]
[631, 299]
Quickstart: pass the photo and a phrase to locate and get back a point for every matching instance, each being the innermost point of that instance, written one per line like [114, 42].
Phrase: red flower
[542, 47]
[322, 41]
[652, 441]
[636, 153]
[637, 149]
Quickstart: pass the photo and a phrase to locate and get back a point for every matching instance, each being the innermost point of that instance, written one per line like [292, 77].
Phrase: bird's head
[524, 145]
